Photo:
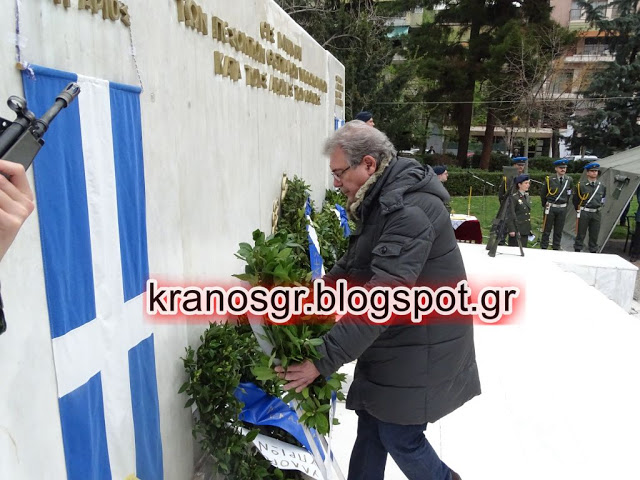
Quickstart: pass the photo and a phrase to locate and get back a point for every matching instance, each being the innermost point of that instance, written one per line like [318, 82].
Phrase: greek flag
[90, 192]
[315, 259]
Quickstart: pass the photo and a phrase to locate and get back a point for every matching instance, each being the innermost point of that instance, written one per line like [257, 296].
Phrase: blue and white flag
[315, 259]
[90, 193]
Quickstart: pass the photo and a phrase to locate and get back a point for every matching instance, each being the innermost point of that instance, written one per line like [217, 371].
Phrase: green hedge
[496, 162]
[434, 159]
[546, 165]
[460, 180]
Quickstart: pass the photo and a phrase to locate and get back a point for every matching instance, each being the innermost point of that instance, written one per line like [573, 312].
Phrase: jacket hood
[402, 176]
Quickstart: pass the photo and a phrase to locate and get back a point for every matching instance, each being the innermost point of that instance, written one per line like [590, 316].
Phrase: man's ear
[370, 164]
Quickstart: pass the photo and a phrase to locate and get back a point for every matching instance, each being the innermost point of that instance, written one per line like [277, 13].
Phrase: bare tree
[536, 85]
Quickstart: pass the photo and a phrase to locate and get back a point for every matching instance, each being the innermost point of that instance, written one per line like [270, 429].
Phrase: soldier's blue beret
[519, 160]
[364, 116]
[592, 166]
[521, 178]
[561, 162]
[439, 170]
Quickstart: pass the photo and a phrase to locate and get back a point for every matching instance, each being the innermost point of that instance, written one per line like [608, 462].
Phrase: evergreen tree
[356, 35]
[611, 123]
[458, 50]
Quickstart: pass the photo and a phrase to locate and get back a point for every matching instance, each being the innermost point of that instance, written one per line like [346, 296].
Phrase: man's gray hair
[357, 139]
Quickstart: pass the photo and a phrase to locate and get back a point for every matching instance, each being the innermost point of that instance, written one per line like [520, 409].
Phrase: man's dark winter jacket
[406, 374]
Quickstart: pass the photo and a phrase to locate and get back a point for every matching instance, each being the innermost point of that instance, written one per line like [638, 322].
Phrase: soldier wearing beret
[588, 200]
[520, 225]
[441, 172]
[366, 117]
[505, 184]
[520, 163]
[443, 175]
[555, 194]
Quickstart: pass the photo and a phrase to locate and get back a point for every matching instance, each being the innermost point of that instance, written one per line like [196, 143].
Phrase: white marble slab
[610, 274]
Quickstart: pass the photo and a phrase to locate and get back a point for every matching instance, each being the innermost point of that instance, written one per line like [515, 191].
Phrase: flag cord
[17, 39]
[133, 55]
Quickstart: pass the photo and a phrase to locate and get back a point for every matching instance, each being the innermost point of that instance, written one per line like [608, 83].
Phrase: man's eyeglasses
[337, 174]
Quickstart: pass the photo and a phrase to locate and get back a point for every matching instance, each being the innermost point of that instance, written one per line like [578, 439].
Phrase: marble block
[610, 274]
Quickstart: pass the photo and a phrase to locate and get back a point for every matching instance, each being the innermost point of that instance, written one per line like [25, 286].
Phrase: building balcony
[534, 132]
[589, 58]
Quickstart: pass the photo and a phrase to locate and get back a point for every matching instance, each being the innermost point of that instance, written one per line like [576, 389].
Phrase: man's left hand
[299, 375]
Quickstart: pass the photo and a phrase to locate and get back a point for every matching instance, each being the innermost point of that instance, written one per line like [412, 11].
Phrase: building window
[577, 13]
[562, 83]
[596, 46]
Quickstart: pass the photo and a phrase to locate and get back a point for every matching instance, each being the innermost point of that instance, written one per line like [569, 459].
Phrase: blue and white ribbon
[344, 221]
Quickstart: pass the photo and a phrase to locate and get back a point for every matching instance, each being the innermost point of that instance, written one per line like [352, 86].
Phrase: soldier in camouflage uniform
[555, 194]
[588, 200]
[520, 225]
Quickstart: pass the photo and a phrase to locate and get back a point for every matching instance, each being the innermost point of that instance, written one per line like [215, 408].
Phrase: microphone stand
[484, 186]
[481, 179]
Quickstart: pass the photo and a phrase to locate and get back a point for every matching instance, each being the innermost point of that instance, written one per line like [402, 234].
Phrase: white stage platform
[610, 274]
[561, 388]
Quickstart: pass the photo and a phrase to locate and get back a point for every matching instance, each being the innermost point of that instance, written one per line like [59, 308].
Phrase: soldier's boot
[544, 242]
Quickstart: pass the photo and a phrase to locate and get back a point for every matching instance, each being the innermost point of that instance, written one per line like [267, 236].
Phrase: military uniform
[555, 195]
[588, 201]
[506, 182]
[521, 223]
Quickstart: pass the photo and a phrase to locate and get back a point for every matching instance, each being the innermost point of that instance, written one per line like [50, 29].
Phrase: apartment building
[589, 53]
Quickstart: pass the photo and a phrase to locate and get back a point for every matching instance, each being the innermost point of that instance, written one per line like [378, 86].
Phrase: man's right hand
[16, 202]
[299, 375]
